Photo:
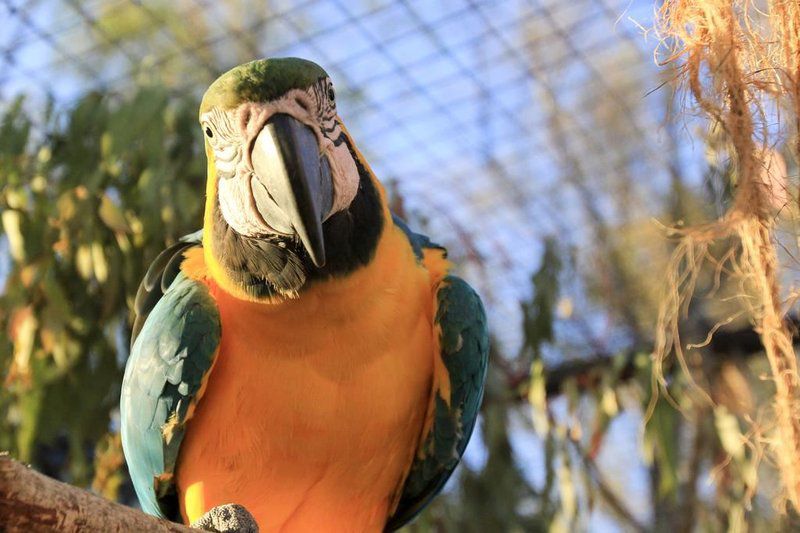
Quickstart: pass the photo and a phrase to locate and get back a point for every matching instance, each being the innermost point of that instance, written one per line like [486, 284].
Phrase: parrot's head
[290, 199]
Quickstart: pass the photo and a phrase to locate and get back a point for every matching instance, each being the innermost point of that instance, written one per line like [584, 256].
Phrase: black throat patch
[272, 265]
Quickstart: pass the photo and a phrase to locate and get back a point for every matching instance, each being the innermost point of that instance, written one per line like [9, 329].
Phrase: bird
[305, 355]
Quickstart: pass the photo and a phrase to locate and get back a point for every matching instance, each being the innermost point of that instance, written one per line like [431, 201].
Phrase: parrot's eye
[331, 94]
[209, 133]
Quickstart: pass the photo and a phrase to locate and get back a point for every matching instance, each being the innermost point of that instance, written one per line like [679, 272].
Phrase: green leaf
[661, 436]
[30, 405]
[538, 314]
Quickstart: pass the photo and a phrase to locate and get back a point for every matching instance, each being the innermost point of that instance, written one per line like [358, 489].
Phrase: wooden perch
[30, 501]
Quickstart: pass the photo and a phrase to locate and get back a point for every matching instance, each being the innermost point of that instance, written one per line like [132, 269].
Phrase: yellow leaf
[167, 214]
[730, 435]
[137, 226]
[16, 242]
[48, 338]
[566, 488]
[537, 397]
[60, 356]
[16, 199]
[22, 329]
[28, 274]
[83, 261]
[66, 206]
[112, 216]
[99, 262]
[44, 154]
[106, 143]
[609, 402]
[61, 246]
[38, 183]
[564, 308]
[123, 243]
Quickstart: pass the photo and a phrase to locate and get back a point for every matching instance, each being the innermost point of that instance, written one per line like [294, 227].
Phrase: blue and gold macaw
[305, 355]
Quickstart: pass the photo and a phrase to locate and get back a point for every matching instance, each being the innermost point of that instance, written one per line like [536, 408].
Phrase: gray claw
[227, 518]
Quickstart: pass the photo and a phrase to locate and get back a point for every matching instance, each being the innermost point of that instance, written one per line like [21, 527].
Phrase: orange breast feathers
[314, 408]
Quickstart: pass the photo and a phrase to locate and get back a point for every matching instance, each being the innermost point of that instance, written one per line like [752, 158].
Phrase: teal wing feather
[464, 346]
[175, 339]
[418, 241]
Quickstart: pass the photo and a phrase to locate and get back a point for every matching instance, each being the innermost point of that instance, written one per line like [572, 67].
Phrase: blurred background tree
[536, 139]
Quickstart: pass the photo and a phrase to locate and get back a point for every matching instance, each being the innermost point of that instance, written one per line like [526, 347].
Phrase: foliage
[88, 198]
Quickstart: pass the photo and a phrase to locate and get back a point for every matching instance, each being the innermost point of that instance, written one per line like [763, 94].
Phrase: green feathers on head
[261, 81]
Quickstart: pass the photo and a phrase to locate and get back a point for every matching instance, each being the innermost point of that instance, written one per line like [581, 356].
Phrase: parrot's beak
[292, 187]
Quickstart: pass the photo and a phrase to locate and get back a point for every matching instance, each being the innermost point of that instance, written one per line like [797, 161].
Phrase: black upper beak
[292, 187]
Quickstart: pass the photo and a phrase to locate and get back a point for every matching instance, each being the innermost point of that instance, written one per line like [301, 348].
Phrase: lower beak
[292, 186]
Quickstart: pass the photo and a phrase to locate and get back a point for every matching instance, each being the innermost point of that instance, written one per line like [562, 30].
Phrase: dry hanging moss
[736, 59]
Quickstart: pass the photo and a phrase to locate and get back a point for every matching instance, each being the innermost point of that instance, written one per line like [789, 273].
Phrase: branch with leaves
[586, 373]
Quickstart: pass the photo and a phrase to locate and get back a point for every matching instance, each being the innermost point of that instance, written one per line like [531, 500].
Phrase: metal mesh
[454, 103]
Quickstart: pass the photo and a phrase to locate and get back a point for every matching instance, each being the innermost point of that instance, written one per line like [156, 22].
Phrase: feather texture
[464, 352]
[175, 340]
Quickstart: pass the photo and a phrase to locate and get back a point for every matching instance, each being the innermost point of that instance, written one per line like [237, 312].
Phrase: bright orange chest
[314, 407]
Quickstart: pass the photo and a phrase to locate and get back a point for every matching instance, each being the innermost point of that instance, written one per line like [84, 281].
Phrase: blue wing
[175, 339]
[464, 343]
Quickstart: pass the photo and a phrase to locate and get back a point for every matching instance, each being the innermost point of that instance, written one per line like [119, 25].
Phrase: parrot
[305, 355]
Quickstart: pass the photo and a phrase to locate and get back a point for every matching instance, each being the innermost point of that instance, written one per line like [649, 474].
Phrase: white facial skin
[232, 136]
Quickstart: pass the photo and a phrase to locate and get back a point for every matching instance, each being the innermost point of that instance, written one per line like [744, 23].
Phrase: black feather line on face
[351, 236]
[271, 265]
[339, 140]
[261, 266]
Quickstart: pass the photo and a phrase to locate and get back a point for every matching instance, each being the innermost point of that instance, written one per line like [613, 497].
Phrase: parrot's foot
[227, 518]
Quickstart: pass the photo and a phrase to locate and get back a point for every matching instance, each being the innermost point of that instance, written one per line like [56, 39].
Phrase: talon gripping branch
[305, 355]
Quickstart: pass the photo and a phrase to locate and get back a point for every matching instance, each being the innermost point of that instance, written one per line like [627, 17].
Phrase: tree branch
[725, 345]
[30, 501]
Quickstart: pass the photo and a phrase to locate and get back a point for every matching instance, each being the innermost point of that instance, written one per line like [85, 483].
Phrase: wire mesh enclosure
[452, 102]
[545, 143]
